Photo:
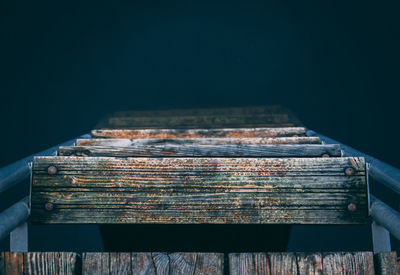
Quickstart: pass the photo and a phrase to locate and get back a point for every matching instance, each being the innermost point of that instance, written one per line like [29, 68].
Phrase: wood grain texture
[199, 190]
[301, 263]
[194, 141]
[358, 263]
[265, 116]
[200, 133]
[44, 263]
[387, 264]
[247, 150]
[153, 263]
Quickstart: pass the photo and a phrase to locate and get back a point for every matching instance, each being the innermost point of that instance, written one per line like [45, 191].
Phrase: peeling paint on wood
[282, 150]
[199, 190]
[195, 141]
[200, 133]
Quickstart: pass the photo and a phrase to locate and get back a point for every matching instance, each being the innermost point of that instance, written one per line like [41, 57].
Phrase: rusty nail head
[349, 171]
[52, 170]
[325, 155]
[352, 207]
[49, 206]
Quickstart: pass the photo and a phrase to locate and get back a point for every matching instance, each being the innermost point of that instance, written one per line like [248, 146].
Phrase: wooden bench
[210, 166]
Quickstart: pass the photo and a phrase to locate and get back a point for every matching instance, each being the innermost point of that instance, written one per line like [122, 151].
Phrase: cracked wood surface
[248, 150]
[199, 190]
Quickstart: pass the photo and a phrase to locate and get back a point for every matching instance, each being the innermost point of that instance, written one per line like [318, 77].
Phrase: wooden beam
[195, 141]
[200, 133]
[282, 150]
[199, 190]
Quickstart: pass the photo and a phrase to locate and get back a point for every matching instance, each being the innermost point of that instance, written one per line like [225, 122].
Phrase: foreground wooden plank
[153, 263]
[281, 150]
[301, 263]
[200, 133]
[46, 263]
[387, 264]
[195, 141]
[199, 190]
[264, 116]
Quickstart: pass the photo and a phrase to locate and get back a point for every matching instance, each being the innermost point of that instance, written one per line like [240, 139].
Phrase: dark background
[63, 65]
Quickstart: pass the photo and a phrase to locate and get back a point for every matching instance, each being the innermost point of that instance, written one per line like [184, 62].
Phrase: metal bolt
[352, 207]
[349, 171]
[49, 206]
[52, 170]
[325, 155]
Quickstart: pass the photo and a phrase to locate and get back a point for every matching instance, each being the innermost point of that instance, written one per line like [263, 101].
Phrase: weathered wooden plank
[265, 116]
[386, 263]
[195, 141]
[152, 263]
[199, 190]
[200, 133]
[348, 263]
[95, 263]
[309, 264]
[50, 263]
[281, 150]
[301, 263]
[262, 263]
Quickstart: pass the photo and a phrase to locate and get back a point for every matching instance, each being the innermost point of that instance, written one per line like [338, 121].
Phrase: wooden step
[234, 117]
[199, 190]
[195, 141]
[200, 133]
[68, 263]
[189, 150]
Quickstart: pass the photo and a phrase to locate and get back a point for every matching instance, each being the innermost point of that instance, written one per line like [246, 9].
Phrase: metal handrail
[16, 172]
[378, 170]
[13, 216]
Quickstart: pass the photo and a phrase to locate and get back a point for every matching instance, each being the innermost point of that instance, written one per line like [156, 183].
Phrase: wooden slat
[195, 141]
[152, 263]
[46, 263]
[301, 263]
[281, 150]
[266, 116]
[199, 190]
[200, 133]
[387, 264]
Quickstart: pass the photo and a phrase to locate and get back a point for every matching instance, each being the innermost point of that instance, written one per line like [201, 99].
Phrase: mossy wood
[199, 190]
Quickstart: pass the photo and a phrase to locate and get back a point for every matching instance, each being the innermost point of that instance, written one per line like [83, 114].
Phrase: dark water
[64, 65]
